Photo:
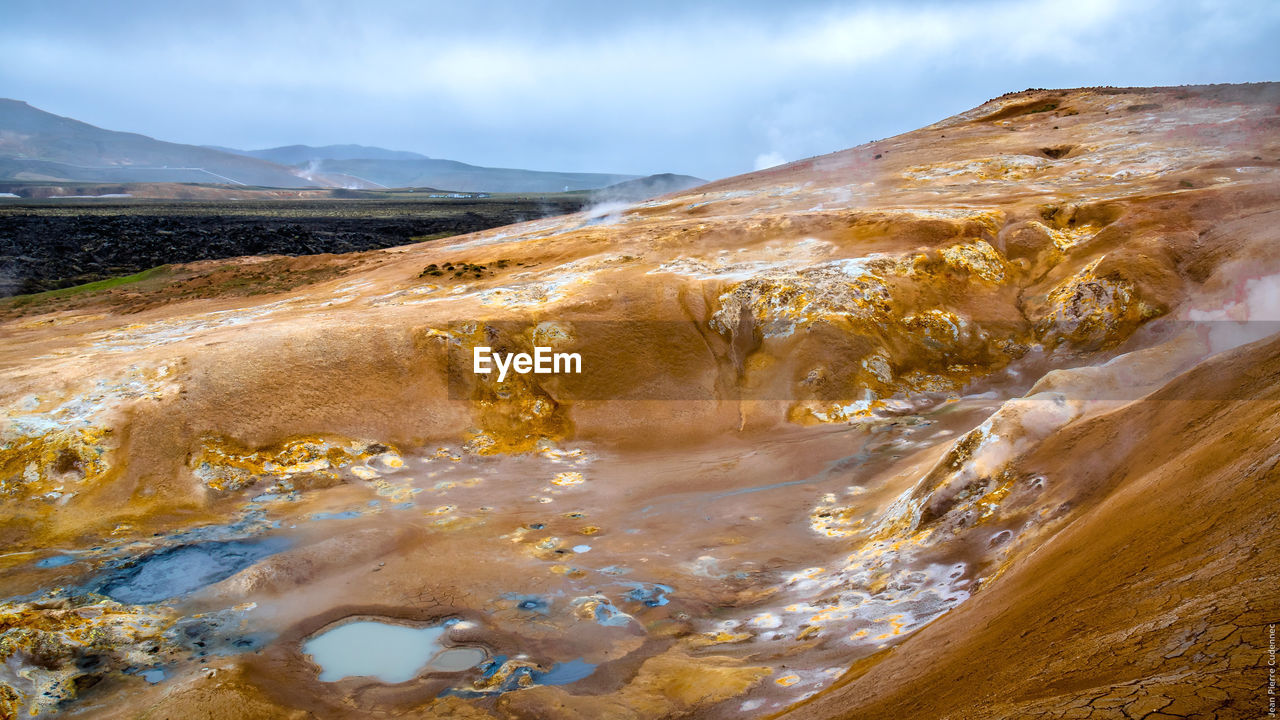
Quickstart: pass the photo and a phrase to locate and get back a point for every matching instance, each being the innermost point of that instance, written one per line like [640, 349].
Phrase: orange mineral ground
[979, 421]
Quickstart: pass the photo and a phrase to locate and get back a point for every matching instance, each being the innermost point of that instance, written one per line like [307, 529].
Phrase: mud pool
[389, 652]
[178, 571]
[440, 573]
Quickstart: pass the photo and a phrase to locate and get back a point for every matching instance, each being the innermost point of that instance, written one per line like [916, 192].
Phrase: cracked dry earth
[978, 421]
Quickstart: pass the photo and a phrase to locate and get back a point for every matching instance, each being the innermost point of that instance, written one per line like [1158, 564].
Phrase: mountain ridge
[36, 145]
[299, 154]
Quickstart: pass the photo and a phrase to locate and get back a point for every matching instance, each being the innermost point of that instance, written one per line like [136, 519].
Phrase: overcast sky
[707, 89]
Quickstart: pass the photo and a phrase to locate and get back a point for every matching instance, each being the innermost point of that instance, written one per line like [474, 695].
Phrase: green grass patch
[96, 286]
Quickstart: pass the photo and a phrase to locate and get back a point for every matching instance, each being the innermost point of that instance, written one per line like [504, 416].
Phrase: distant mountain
[303, 154]
[631, 191]
[40, 146]
[36, 145]
[455, 175]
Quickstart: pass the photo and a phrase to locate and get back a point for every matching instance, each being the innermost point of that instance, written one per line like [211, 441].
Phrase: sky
[710, 89]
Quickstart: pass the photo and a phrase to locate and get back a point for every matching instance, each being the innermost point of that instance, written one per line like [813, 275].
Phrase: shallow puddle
[386, 651]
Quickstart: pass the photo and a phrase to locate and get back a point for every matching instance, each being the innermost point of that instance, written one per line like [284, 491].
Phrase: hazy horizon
[706, 89]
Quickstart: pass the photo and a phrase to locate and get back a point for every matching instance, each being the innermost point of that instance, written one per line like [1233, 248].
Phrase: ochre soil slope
[1154, 602]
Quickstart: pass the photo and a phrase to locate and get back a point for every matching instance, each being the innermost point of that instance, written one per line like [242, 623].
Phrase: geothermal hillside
[977, 421]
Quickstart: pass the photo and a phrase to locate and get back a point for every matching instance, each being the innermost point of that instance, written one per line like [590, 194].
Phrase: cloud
[696, 88]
